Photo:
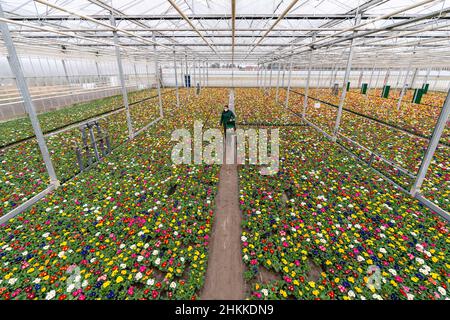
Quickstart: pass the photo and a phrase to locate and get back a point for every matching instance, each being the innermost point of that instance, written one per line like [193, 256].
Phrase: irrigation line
[393, 126]
[80, 122]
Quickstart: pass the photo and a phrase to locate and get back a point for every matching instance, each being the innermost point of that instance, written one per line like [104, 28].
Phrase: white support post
[265, 77]
[289, 80]
[22, 85]
[335, 75]
[257, 75]
[195, 72]
[207, 72]
[318, 78]
[122, 79]
[361, 75]
[65, 71]
[386, 78]
[370, 80]
[278, 82]
[332, 74]
[432, 146]
[186, 75]
[176, 78]
[283, 76]
[378, 79]
[414, 77]
[270, 77]
[98, 71]
[155, 56]
[199, 81]
[399, 76]
[436, 80]
[308, 79]
[404, 88]
[346, 77]
[427, 77]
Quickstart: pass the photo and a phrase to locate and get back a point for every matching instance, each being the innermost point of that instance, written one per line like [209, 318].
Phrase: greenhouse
[224, 150]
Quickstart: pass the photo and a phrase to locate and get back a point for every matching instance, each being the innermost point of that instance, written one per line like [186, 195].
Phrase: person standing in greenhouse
[228, 119]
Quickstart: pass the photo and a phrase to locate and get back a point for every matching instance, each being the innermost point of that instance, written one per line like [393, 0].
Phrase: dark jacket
[228, 119]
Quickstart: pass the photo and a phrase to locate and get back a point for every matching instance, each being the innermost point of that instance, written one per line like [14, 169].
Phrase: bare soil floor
[225, 273]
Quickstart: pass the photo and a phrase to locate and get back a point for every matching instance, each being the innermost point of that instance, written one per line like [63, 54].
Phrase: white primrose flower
[442, 291]
[50, 295]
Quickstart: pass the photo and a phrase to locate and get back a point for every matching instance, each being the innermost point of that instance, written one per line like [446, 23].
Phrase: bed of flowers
[416, 118]
[133, 227]
[17, 129]
[23, 172]
[326, 225]
[260, 106]
[432, 98]
[403, 149]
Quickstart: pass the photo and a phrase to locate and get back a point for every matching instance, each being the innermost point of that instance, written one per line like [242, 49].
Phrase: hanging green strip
[386, 90]
[364, 88]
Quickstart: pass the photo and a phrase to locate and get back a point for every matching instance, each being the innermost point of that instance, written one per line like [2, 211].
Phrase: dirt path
[225, 273]
[224, 276]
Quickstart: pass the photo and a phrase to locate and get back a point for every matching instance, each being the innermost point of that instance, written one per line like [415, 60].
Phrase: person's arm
[233, 119]
[221, 119]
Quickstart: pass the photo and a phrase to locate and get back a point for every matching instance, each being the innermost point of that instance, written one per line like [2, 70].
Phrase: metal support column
[432, 146]
[257, 75]
[308, 79]
[370, 80]
[207, 73]
[436, 80]
[98, 71]
[404, 88]
[278, 82]
[414, 77]
[346, 77]
[378, 79]
[386, 78]
[265, 77]
[289, 80]
[427, 77]
[361, 75]
[22, 85]
[66, 74]
[270, 76]
[176, 78]
[122, 79]
[331, 75]
[155, 56]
